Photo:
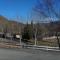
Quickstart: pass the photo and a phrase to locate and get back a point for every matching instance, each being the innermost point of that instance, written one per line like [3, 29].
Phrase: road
[28, 54]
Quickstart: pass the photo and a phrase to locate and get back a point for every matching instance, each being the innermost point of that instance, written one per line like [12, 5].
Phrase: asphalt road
[28, 54]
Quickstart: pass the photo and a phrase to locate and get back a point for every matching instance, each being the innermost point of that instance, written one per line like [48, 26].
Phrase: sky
[13, 8]
[20, 10]
[50, 9]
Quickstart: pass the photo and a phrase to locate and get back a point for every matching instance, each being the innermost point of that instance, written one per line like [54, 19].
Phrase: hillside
[15, 27]
[10, 26]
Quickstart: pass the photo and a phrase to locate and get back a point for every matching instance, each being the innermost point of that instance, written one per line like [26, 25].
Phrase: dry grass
[52, 42]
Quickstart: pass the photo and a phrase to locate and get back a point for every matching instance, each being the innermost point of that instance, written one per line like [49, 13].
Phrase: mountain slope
[10, 26]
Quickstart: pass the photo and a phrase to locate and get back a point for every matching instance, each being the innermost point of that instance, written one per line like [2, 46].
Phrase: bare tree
[47, 9]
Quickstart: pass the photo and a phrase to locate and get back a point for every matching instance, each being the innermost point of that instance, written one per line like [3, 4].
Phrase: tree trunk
[58, 40]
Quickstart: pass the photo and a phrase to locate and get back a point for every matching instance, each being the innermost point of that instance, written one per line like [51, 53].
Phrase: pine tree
[25, 34]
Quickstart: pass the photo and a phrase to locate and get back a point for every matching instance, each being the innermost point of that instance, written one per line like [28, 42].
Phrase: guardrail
[41, 47]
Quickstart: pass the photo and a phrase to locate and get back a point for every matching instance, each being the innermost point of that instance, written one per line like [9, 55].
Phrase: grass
[52, 43]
